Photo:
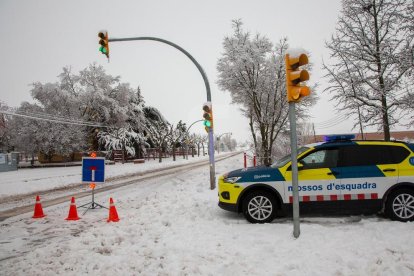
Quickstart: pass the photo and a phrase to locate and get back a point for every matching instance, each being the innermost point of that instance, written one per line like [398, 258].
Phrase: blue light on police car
[338, 137]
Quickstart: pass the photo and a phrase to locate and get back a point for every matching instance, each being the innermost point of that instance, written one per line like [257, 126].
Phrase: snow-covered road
[172, 226]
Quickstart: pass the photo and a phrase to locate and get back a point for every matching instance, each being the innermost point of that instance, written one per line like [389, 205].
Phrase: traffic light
[295, 76]
[208, 116]
[104, 49]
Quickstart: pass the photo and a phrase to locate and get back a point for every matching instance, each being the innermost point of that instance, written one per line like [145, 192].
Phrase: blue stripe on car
[359, 172]
[265, 175]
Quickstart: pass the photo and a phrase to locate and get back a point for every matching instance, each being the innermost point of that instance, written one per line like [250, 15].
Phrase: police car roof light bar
[338, 137]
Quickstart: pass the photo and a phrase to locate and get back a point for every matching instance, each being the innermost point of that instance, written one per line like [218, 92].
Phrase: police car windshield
[284, 160]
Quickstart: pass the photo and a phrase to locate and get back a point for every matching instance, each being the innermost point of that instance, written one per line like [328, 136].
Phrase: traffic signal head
[104, 48]
[208, 116]
[295, 76]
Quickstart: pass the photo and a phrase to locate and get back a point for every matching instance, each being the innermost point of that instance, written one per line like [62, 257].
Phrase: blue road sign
[93, 169]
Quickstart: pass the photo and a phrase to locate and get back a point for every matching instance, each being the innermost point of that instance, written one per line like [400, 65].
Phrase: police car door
[317, 173]
[366, 173]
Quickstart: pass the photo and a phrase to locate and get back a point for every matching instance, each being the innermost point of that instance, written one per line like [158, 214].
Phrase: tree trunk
[252, 131]
[173, 149]
[264, 154]
[360, 123]
[385, 120]
[386, 125]
[198, 150]
[160, 154]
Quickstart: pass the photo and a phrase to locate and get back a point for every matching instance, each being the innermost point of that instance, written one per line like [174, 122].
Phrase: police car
[338, 176]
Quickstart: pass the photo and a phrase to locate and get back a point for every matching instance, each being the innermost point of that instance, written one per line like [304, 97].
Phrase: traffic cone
[73, 212]
[38, 210]
[113, 214]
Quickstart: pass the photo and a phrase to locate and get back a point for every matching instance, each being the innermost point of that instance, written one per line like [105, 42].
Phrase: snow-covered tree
[59, 101]
[119, 139]
[40, 136]
[204, 143]
[157, 128]
[191, 143]
[254, 74]
[4, 131]
[228, 142]
[199, 140]
[372, 60]
[177, 133]
[108, 101]
[91, 96]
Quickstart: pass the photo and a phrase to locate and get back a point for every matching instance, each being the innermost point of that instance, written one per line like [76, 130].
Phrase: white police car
[339, 176]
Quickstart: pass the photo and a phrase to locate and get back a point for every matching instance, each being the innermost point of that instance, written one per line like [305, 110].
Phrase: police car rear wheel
[259, 207]
[400, 205]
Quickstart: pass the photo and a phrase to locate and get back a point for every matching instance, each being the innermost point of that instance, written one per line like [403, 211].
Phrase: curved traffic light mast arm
[203, 74]
[207, 84]
[188, 129]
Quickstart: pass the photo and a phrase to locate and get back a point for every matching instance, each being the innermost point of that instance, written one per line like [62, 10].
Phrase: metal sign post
[93, 171]
[294, 154]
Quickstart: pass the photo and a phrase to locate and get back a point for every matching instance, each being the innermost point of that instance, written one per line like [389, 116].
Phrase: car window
[399, 154]
[284, 160]
[324, 158]
[365, 155]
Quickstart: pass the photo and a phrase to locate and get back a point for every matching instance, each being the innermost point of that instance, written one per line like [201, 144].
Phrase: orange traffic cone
[113, 214]
[73, 212]
[38, 210]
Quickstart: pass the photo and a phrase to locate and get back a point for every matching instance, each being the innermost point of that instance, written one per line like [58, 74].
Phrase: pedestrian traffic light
[104, 49]
[295, 76]
[208, 116]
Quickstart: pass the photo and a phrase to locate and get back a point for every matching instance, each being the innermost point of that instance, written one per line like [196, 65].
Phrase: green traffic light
[207, 123]
[103, 50]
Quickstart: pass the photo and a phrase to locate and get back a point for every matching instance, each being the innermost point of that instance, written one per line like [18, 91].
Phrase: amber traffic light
[295, 77]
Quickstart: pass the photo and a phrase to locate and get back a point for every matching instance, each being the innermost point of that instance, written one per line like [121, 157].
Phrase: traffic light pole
[203, 74]
[294, 154]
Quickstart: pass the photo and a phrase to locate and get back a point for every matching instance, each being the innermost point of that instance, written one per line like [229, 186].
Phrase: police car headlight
[232, 179]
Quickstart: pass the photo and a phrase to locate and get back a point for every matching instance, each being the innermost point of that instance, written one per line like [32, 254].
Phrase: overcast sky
[39, 38]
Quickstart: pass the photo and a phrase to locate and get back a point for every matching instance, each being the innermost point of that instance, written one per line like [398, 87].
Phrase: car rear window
[399, 153]
[366, 155]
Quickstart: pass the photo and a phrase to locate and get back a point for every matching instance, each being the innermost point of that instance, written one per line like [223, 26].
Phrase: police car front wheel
[400, 205]
[259, 207]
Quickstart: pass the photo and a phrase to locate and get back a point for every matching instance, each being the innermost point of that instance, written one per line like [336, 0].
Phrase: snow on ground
[173, 226]
[25, 181]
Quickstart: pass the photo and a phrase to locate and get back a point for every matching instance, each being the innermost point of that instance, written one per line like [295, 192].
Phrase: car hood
[257, 174]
